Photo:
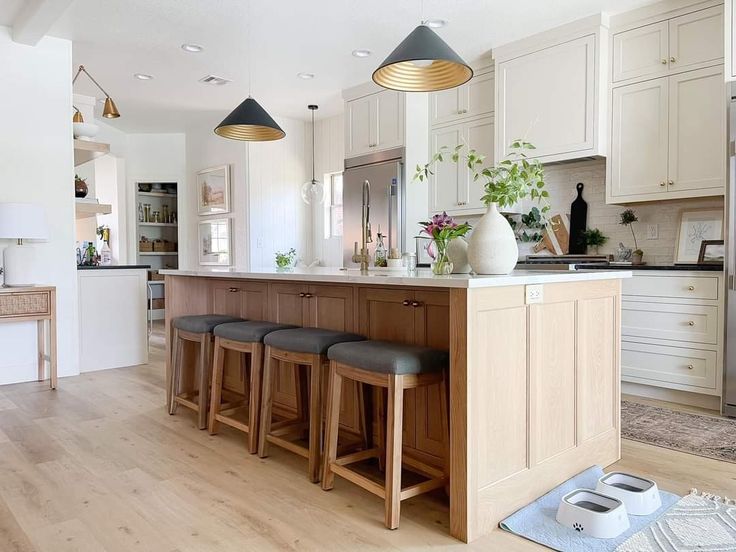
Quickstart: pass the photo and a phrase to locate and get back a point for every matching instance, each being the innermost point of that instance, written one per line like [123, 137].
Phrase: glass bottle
[165, 214]
[380, 254]
[140, 212]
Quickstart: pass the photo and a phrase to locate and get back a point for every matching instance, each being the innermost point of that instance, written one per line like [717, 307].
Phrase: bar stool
[197, 329]
[244, 338]
[394, 367]
[301, 347]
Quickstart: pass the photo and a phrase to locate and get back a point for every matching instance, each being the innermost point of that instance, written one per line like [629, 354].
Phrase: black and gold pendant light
[110, 110]
[249, 121]
[423, 62]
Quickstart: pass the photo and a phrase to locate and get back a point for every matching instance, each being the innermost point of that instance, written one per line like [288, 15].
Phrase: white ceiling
[116, 38]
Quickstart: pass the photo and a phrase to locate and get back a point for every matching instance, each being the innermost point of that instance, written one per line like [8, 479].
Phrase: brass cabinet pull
[673, 59]
[663, 183]
[664, 61]
[691, 288]
[690, 367]
[233, 289]
[406, 302]
[308, 295]
[691, 323]
[671, 182]
[416, 304]
[302, 294]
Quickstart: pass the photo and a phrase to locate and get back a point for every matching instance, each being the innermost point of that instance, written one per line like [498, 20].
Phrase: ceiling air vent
[214, 80]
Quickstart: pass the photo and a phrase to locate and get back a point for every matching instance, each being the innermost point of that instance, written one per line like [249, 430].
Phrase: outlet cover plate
[534, 294]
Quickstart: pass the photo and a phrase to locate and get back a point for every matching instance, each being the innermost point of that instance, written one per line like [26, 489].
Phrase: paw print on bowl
[577, 527]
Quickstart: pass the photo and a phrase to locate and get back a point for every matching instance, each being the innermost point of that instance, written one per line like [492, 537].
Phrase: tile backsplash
[561, 181]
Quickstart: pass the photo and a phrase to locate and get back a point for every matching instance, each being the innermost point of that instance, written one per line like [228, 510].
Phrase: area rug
[708, 436]
[697, 522]
[536, 522]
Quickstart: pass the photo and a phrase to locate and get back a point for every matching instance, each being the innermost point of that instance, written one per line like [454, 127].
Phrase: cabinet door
[359, 133]
[696, 39]
[698, 131]
[331, 308]
[478, 135]
[642, 51]
[730, 39]
[226, 298]
[548, 98]
[477, 96]
[389, 120]
[444, 106]
[639, 140]
[443, 184]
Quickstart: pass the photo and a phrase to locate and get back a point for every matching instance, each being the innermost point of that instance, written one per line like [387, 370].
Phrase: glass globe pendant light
[313, 192]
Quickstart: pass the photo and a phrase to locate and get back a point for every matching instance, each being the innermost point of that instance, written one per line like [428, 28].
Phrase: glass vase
[442, 266]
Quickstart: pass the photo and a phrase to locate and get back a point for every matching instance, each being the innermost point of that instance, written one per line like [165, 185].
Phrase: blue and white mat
[537, 522]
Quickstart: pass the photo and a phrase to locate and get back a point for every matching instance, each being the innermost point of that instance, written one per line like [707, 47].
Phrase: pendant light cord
[249, 46]
[312, 146]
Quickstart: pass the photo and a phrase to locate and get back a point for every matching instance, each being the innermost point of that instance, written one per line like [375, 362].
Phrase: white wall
[36, 165]
[266, 207]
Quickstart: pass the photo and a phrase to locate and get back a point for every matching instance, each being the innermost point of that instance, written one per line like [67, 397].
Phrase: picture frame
[695, 226]
[712, 252]
[213, 190]
[214, 242]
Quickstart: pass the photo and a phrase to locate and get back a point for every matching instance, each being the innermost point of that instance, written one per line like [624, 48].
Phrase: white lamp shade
[25, 221]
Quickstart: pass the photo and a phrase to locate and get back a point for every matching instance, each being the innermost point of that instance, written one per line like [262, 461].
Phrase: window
[333, 206]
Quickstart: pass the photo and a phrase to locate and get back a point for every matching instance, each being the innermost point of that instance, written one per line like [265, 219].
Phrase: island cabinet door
[226, 298]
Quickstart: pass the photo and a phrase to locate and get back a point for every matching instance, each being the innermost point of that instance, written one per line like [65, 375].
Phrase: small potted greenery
[285, 261]
[492, 246]
[529, 230]
[594, 238]
[628, 218]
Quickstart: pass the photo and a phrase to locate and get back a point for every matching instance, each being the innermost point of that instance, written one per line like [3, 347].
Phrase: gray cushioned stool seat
[389, 358]
[251, 331]
[202, 323]
[308, 340]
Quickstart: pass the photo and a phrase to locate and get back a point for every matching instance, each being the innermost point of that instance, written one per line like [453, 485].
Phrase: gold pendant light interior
[411, 77]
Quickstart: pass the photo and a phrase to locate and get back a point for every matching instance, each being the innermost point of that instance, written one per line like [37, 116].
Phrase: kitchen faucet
[364, 258]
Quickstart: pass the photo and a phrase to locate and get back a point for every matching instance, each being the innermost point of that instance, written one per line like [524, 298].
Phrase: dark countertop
[705, 268]
[113, 267]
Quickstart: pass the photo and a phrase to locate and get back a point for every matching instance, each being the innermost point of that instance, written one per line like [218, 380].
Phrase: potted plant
[442, 229]
[492, 246]
[594, 238]
[80, 187]
[628, 218]
[285, 261]
[529, 230]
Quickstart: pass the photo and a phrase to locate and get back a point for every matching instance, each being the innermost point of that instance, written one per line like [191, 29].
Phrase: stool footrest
[423, 487]
[360, 480]
[288, 445]
[233, 423]
[186, 401]
[421, 468]
[357, 456]
[291, 429]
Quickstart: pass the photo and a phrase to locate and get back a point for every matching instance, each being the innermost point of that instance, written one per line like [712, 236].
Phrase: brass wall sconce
[110, 110]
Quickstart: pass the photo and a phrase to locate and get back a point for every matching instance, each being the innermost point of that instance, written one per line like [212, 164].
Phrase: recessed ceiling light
[361, 53]
[142, 76]
[435, 23]
[193, 48]
[305, 76]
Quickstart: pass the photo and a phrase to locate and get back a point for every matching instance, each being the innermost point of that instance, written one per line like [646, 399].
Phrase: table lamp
[21, 221]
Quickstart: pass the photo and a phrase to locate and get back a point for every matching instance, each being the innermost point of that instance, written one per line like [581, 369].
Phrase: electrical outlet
[652, 231]
[259, 242]
[534, 294]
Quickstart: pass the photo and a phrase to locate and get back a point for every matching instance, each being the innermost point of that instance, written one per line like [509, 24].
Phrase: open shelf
[156, 194]
[85, 151]
[156, 253]
[85, 209]
[166, 224]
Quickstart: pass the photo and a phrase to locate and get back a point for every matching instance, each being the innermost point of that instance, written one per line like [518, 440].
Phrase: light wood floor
[99, 465]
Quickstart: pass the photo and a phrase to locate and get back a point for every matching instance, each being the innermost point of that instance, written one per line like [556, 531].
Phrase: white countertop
[421, 277]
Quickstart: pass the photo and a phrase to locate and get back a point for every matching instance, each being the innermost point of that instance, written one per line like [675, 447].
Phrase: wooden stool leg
[379, 412]
[218, 367]
[394, 419]
[444, 413]
[177, 348]
[254, 396]
[266, 403]
[205, 367]
[332, 423]
[315, 418]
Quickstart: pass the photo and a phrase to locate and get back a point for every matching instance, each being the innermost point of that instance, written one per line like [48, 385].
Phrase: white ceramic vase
[457, 251]
[492, 246]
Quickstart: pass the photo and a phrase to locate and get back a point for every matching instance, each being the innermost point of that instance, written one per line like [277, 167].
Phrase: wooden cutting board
[578, 222]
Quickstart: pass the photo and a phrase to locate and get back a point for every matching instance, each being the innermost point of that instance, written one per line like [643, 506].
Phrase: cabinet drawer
[665, 364]
[691, 323]
[685, 287]
[24, 304]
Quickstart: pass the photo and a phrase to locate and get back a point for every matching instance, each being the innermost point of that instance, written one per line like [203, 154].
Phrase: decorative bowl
[85, 131]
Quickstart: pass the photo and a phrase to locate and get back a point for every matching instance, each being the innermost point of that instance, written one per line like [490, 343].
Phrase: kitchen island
[534, 371]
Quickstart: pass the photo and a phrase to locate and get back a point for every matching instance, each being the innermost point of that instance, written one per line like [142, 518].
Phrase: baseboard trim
[711, 402]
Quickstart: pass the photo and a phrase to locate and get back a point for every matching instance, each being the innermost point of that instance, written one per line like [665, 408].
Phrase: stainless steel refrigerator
[384, 172]
[729, 397]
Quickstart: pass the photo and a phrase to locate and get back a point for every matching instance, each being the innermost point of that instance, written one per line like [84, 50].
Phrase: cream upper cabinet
[551, 92]
[374, 122]
[730, 40]
[668, 138]
[639, 140]
[451, 187]
[642, 51]
[679, 44]
[472, 99]
[697, 162]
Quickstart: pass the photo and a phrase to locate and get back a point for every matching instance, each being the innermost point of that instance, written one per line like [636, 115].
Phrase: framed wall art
[696, 225]
[213, 190]
[214, 243]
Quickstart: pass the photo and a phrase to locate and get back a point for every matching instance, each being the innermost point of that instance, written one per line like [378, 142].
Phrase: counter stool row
[386, 366]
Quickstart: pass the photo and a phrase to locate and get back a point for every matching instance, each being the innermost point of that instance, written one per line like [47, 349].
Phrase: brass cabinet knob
[664, 61]
[406, 302]
[690, 367]
[308, 295]
[671, 182]
[691, 288]
[233, 289]
[416, 304]
[302, 294]
[691, 323]
[673, 59]
[663, 183]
